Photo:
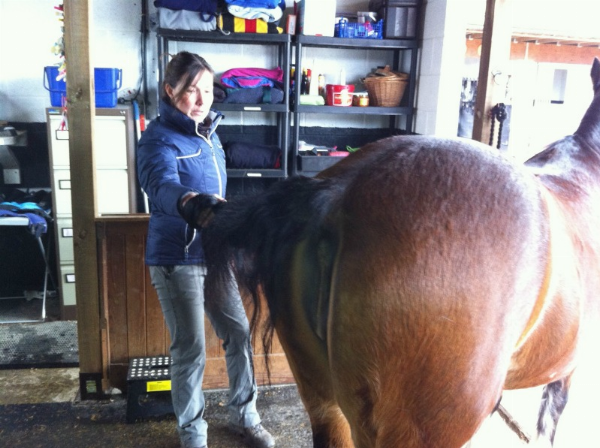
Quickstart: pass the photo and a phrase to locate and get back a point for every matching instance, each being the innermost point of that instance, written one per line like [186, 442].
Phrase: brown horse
[414, 281]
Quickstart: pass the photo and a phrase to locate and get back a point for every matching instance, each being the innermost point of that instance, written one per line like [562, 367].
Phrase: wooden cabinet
[133, 324]
[114, 154]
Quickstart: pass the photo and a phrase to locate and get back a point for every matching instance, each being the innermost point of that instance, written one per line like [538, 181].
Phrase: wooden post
[81, 112]
[493, 66]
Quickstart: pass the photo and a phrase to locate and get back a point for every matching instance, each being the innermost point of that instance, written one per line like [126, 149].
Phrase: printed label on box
[158, 386]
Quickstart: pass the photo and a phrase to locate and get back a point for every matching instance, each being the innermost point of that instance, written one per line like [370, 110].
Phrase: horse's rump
[414, 280]
[442, 253]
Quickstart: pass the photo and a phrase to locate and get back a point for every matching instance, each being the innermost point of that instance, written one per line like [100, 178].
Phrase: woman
[181, 162]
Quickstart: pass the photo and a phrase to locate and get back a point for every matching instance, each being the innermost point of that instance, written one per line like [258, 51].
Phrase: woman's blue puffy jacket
[172, 160]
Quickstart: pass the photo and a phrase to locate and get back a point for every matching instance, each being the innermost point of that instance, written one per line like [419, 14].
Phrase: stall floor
[41, 408]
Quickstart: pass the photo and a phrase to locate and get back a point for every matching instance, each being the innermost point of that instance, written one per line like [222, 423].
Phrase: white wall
[25, 49]
[327, 61]
[441, 68]
[29, 29]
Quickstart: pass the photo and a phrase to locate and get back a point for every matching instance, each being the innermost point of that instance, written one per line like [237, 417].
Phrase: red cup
[339, 94]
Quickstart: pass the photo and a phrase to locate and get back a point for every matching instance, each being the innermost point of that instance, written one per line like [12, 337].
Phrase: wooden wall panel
[134, 324]
[136, 302]
[117, 311]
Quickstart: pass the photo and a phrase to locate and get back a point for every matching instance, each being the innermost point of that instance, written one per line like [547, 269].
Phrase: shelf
[217, 36]
[282, 42]
[255, 173]
[370, 110]
[250, 107]
[340, 42]
[402, 50]
[403, 53]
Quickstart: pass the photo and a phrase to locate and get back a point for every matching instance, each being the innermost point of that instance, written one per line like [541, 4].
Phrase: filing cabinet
[114, 157]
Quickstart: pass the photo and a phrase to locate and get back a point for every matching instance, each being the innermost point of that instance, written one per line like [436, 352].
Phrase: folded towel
[186, 20]
[252, 77]
[312, 100]
[230, 23]
[246, 155]
[257, 3]
[266, 14]
[257, 95]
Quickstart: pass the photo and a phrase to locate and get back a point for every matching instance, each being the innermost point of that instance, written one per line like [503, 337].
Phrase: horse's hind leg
[330, 429]
[554, 400]
[309, 364]
[301, 329]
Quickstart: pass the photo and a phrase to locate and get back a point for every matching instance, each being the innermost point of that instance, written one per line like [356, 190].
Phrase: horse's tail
[226, 242]
[253, 237]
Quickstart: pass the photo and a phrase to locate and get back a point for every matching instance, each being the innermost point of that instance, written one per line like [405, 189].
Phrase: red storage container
[339, 94]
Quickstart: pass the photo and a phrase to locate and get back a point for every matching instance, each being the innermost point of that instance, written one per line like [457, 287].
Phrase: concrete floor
[40, 408]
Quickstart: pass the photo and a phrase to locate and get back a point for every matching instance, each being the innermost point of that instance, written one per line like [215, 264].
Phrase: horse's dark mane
[255, 235]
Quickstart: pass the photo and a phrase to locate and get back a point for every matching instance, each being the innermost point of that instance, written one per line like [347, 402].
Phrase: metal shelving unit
[282, 110]
[403, 50]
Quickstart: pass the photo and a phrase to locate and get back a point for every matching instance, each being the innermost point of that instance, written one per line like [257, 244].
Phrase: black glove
[199, 210]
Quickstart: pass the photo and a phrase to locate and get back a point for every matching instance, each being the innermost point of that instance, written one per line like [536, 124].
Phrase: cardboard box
[290, 27]
[316, 17]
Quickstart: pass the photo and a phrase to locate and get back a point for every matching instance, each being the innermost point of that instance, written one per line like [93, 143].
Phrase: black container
[400, 17]
[148, 387]
[317, 163]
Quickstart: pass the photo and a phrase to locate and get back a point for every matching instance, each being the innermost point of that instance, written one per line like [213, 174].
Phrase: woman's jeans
[181, 294]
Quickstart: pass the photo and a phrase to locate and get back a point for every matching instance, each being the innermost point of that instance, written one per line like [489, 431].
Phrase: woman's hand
[198, 210]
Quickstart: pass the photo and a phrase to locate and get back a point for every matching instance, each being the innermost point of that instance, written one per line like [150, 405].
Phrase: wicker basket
[386, 91]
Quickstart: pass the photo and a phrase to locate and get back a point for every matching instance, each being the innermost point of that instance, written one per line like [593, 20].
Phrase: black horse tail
[253, 237]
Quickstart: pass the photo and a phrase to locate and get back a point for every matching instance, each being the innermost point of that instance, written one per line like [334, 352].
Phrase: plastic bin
[339, 95]
[317, 163]
[107, 81]
[352, 30]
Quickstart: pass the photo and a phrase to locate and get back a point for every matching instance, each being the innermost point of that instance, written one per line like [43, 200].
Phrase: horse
[414, 281]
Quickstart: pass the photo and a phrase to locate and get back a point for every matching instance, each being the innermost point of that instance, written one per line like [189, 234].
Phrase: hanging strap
[498, 113]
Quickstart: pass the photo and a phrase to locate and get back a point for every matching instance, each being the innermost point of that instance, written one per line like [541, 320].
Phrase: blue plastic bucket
[57, 89]
[107, 81]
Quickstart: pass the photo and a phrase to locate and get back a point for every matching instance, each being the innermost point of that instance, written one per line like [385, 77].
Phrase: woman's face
[197, 99]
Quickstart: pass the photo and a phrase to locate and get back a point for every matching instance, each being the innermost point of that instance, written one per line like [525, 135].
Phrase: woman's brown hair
[182, 70]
